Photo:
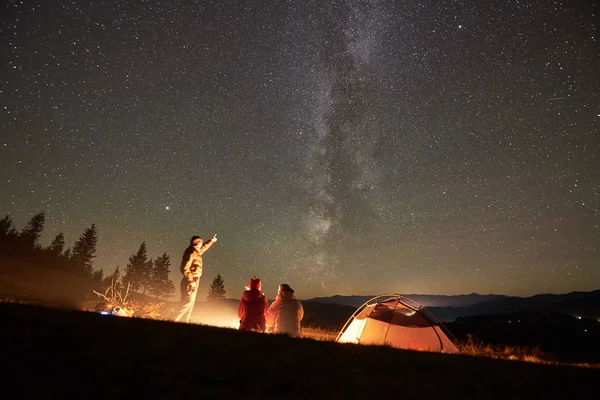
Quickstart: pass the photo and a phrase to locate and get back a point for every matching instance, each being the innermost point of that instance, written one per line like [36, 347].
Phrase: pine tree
[147, 276]
[8, 234]
[58, 244]
[216, 291]
[52, 256]
[83, 252]
[137, 270]
[98, 276]
[160, 284]
[113, 280]
[6, 226]
[29, 236]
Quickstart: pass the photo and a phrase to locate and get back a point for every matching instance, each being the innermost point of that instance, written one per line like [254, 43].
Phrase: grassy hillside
[52, 353]
[560, 337]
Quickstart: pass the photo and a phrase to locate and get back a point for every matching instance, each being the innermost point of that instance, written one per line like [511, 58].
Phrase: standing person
[191, 269]
[253, 307]
[286, 312]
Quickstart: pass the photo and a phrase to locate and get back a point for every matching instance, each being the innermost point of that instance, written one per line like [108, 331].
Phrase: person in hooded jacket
[253, 307]
[285, 313]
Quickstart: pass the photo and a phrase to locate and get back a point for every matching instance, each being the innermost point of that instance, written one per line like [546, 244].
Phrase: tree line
[142, 274]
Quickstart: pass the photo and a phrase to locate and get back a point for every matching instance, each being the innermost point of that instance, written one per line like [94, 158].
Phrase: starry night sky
[343, 147]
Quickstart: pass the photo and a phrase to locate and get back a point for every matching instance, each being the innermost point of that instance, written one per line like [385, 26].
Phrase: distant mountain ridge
[426, 300]
[449, 308]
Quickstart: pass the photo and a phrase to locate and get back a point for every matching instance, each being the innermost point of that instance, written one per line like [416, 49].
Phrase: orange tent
[397, 321]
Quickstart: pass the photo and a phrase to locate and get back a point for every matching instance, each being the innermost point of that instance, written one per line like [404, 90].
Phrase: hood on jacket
[285, 296]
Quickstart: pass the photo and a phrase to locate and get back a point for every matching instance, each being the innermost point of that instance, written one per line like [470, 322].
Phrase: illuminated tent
[397, 321]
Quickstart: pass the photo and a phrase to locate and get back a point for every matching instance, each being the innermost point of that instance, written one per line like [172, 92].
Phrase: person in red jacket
[253, 308]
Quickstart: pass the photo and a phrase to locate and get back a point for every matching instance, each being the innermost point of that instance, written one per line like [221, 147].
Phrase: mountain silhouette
[448, 308]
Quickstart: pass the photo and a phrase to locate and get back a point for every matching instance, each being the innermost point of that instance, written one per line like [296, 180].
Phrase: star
[346, 147]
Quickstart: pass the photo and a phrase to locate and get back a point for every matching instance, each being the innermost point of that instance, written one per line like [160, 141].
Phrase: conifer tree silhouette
[30, 235]
[137, 270]
[83, 252]
[160, 284]
[216, 291]
[8, 234]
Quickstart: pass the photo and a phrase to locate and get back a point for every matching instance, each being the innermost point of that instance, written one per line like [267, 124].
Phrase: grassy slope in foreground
[51, 353]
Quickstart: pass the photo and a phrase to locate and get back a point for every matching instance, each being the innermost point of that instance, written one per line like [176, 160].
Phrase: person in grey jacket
[285, 313]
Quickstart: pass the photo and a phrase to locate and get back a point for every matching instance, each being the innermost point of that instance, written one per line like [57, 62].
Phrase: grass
[317, 333]
[470, 347]
[226, 317]
[55, 353]
[113, 299]
[521, 353]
